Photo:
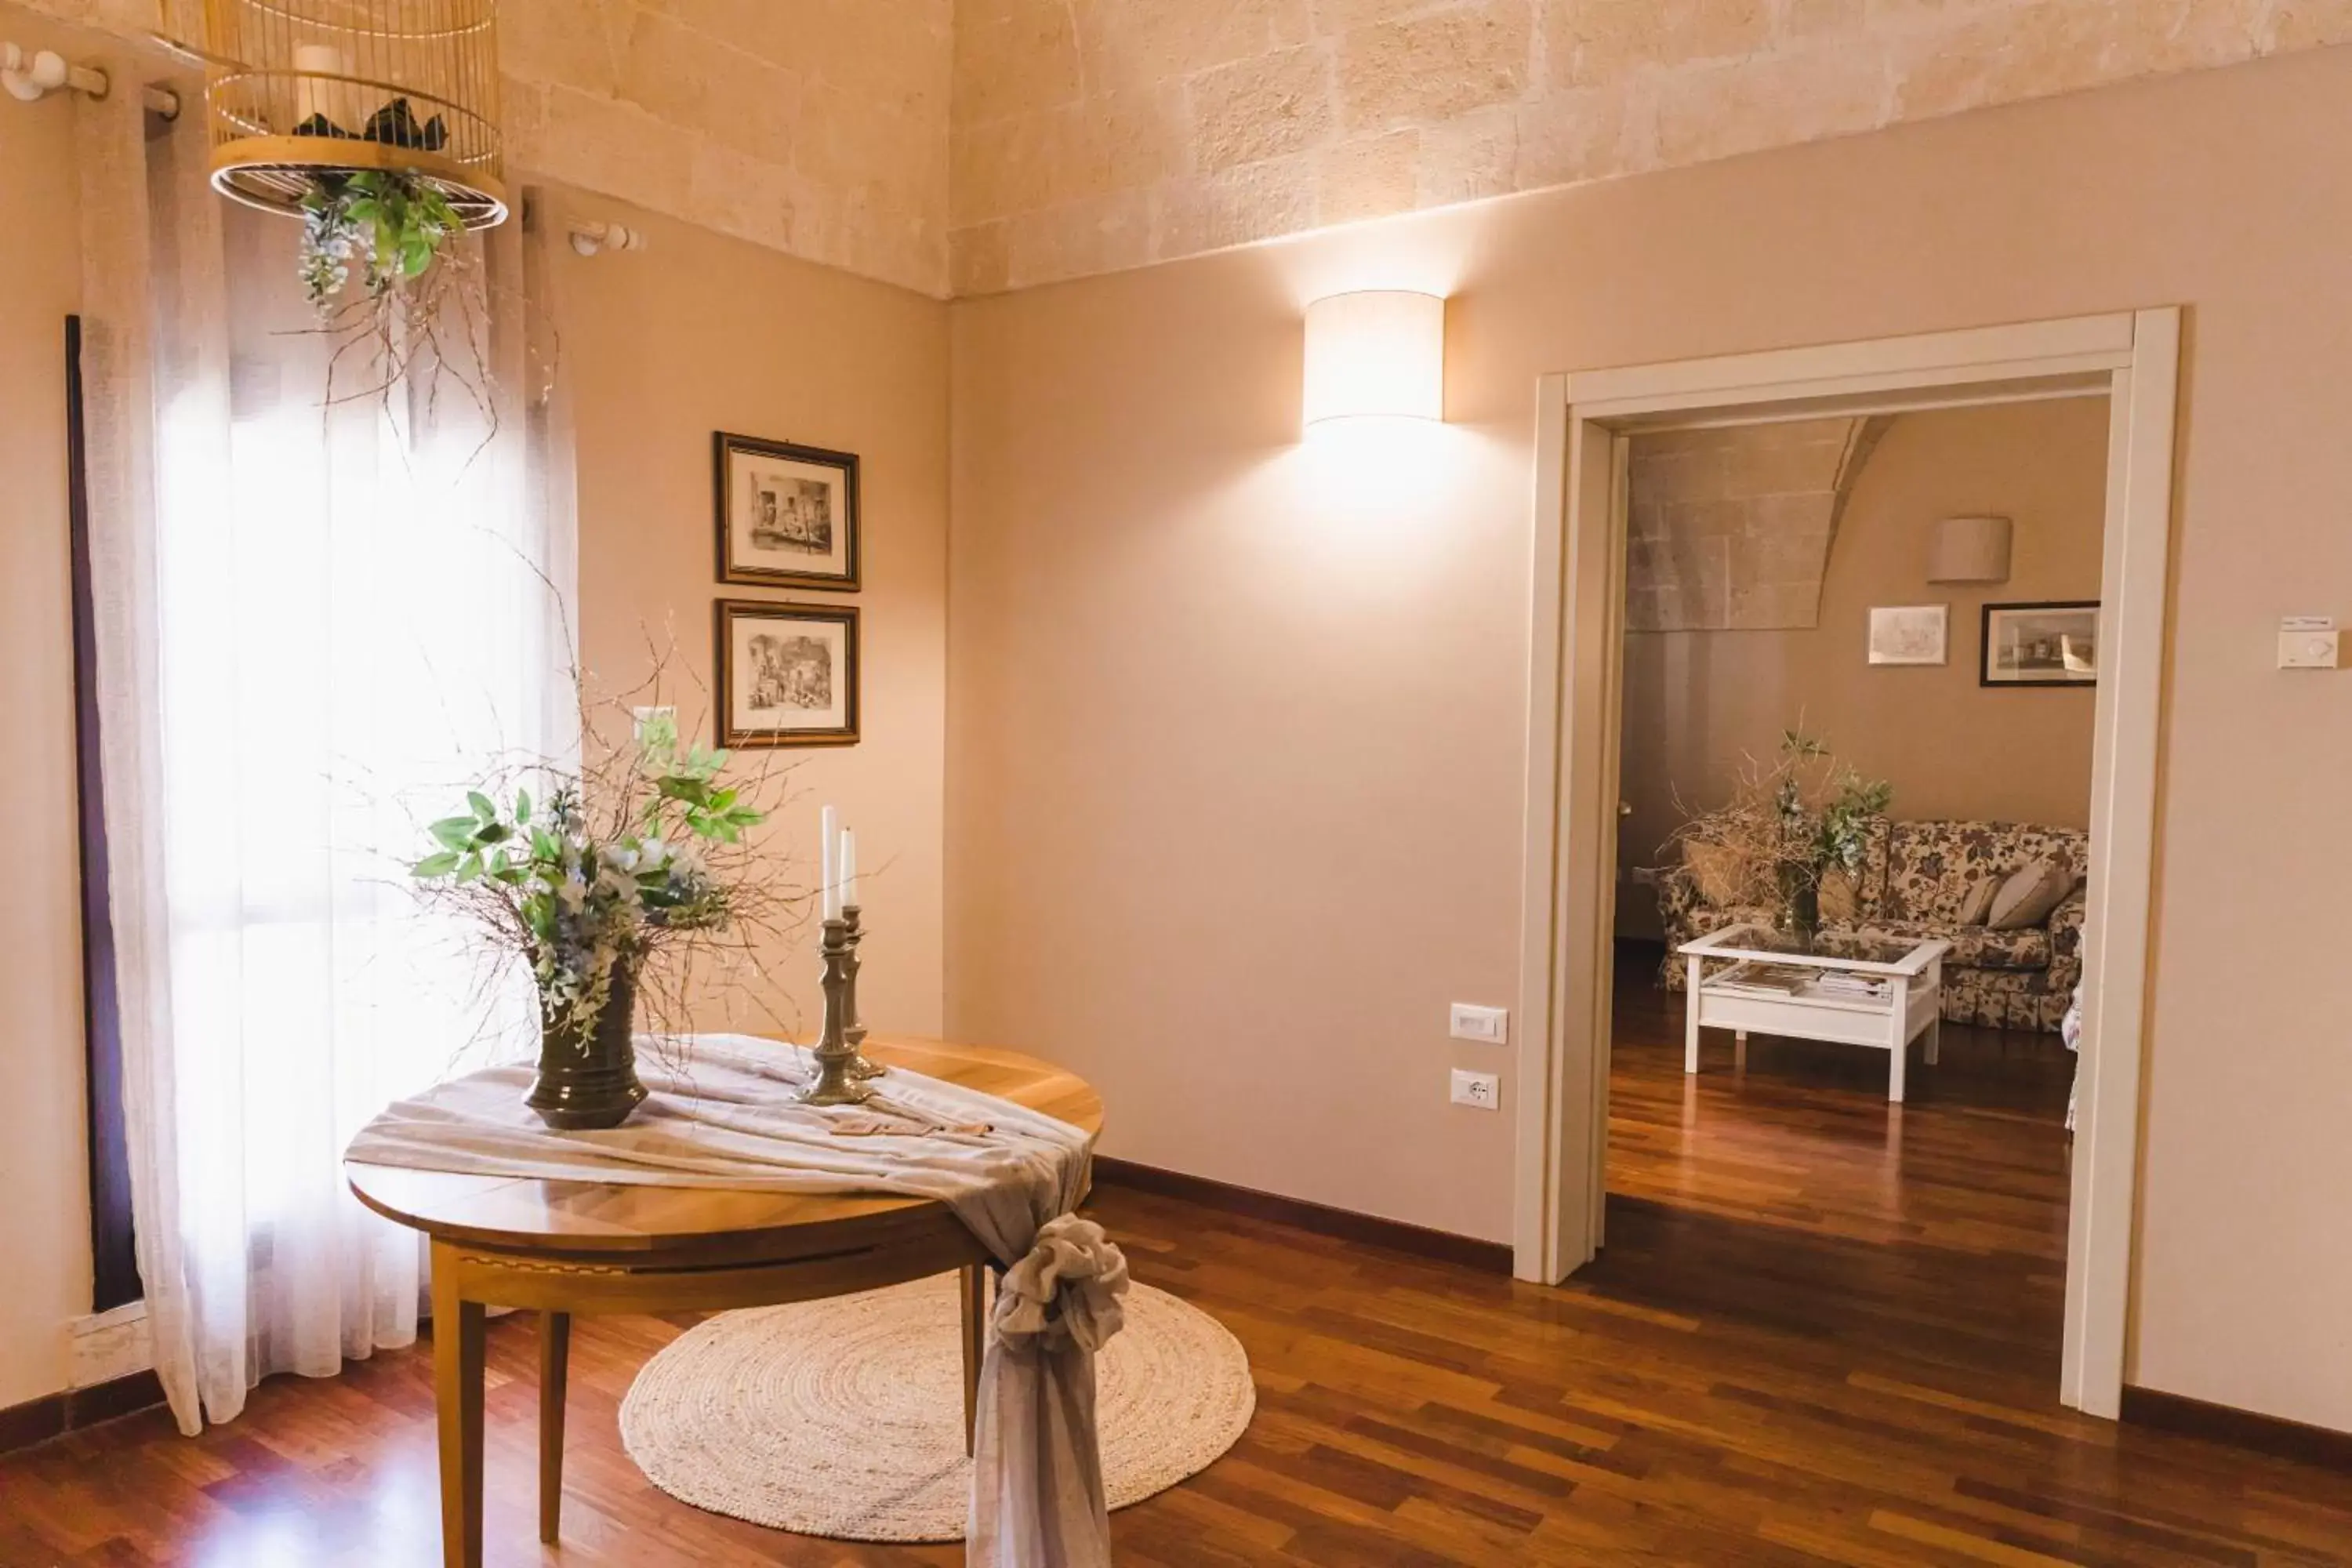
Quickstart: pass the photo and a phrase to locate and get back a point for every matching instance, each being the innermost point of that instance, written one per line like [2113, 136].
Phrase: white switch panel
[2308, 642]
[1483, 1089]
[1488, 1026]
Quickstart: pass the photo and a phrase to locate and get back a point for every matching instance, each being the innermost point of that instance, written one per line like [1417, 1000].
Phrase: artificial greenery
[581, 893]
[392, 225]
[1830, 831]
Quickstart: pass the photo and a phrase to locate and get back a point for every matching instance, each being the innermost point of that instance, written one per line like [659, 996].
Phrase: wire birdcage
[299, 91]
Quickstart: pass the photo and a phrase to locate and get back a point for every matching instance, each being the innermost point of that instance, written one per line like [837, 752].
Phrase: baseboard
[1344, 1224]
[2240, 1428]
[55, 1414]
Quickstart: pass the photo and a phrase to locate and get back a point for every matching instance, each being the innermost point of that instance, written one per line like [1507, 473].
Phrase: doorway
[1576, 686]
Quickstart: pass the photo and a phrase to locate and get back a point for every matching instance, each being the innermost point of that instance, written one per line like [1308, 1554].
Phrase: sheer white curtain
[317, 623]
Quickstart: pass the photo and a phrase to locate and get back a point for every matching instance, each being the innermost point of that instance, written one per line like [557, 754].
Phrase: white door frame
[1576, 658]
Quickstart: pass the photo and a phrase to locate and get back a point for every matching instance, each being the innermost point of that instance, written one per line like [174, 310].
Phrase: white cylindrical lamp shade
[1970, 550]
[1379, 353]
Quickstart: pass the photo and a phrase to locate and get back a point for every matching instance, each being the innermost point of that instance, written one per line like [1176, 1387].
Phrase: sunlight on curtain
[353, 613]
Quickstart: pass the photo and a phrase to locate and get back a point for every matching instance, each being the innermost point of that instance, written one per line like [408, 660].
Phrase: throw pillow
[1717, 870]
[1839, 898]
[1979, 903]
[2027, 898]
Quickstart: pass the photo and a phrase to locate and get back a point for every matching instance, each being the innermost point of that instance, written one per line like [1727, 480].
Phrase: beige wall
[1696, 702]
[700, 334]
[45, 1214]
[1236, 762]
[1108, 133]
[817, 126]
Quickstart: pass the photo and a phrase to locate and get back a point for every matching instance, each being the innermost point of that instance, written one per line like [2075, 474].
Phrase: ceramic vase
[588, 1077]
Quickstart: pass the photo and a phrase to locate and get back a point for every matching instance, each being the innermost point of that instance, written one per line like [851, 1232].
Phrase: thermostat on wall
[2307, 642]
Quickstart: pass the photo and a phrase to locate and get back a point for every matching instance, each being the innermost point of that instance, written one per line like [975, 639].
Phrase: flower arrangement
[1792, 824]
[382, 263]
[394, 226]
[642, 855]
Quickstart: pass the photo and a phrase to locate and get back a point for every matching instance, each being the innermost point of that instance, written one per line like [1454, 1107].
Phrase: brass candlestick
[863, 1067]
[835, 1084]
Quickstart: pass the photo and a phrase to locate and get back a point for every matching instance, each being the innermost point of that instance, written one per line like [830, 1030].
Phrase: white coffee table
[1733, 985]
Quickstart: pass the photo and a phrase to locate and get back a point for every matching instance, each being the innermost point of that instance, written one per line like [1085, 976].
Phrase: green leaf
[454, 832]
[495, 833]
[469, 868]
[522, 808]
[439, 865]
[482, 807]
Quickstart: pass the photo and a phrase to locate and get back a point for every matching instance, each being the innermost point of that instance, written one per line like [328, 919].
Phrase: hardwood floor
[1824, 1331]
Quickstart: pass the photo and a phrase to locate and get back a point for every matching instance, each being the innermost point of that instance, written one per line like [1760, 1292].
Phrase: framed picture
[2054, 644]
[787, 514]
[1909, 634]
[787, 674]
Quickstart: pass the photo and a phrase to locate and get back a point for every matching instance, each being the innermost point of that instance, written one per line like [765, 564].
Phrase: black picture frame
[2039, 675]
[790, 562]
[731, 614]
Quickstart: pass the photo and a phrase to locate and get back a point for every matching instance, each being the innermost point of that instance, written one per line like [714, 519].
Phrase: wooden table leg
[975, 1345]
[554, 1358]
[458, 1399]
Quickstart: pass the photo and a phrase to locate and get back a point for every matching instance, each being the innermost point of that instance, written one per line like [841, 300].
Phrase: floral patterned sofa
[1912, 884]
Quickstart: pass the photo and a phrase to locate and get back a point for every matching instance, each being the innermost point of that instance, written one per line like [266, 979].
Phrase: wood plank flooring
[1824, 1331]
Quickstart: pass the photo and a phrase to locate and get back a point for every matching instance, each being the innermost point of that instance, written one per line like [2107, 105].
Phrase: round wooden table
[563, 1247]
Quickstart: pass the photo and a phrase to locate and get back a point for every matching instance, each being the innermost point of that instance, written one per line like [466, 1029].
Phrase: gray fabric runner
[720, 1114]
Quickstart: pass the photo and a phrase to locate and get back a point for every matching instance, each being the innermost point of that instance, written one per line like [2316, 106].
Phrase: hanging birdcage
[300, 92]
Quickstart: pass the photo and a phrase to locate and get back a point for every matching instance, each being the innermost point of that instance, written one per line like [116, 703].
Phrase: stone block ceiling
[969, 146]
[1097, 134]
[817, 126]
[1731, 530]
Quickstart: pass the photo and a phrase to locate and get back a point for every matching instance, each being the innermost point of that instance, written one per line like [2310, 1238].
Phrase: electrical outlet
[1483, 1089]
[657, 728]
[1488, 1026]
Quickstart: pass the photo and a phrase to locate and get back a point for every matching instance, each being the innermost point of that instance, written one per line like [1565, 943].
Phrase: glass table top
[1827, 947]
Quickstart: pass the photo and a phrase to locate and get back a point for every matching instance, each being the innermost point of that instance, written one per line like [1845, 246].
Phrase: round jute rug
[844, 1418]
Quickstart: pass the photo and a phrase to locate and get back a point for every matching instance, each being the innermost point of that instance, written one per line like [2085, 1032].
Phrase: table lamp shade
[1970, 550]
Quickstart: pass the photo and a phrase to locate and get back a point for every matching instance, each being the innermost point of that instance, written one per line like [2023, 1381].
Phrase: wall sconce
[1379, 355]
[1970, 550]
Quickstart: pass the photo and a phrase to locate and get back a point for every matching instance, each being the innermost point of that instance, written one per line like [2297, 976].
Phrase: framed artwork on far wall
[788, 515]
[1909, 634]
[787, 674]
[2050, 644]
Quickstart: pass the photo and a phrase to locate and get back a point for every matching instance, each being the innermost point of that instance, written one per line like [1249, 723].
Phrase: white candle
[848, 868]
[829, 835]
[312, 96]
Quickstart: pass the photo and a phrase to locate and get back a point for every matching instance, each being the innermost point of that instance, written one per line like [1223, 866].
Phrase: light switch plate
[1481, 1089]
[1488, 1026]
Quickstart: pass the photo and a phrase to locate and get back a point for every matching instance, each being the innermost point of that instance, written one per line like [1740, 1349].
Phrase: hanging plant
[392, 225]
[395, 291]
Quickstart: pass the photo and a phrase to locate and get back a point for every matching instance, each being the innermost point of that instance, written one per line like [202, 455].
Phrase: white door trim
[1575, 668]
